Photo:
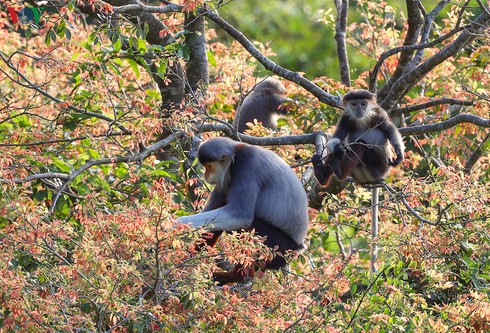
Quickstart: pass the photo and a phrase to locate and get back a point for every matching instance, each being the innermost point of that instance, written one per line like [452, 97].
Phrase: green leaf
[117, 45]
[134, 66]
[22, 121]
[62, 165]
[211, 58]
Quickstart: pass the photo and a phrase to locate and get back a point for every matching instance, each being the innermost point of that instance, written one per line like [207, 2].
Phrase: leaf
[22, 121]
[134, 66]
[211, 58]
[117, 45]
[62, 165]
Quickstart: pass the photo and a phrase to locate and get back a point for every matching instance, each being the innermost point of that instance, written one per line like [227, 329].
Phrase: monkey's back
[289, 211]
[261, 106]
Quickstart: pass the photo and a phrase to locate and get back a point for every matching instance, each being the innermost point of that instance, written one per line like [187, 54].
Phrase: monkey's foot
[334, 164]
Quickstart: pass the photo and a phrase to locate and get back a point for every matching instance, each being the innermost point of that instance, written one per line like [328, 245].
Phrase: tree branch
[340, 37]
[410, 79]
[446, 124]
[213, 15]
[429, 104]
[405, 49]
[475, 156]
[415, 22]
[272, 66]
[147, 151]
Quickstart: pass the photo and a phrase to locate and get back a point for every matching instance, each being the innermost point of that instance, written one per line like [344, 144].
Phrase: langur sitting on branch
[265, 104]
[254, 190]
[359, 145]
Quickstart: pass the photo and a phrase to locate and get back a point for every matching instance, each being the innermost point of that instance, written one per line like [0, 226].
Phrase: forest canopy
[102, 106]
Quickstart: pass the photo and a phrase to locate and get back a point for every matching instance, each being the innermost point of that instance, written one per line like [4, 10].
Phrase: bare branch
[49, 142]
[47, 175]
[429, 20]
[435, 102]
[482, 6]
[415, 22]
[340, 37]
[446, 124]
[409, 80]
[475, 156]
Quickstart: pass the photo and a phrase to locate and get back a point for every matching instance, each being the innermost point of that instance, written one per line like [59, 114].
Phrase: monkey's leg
[323, 171]
[355, 154]
[238, 274]
[208, 239]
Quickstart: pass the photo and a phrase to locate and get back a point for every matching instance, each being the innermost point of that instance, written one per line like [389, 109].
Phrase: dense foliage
[88, 237]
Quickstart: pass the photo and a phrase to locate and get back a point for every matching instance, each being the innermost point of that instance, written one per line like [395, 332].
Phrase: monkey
[266, 102]
[359, 144]
[254, 189]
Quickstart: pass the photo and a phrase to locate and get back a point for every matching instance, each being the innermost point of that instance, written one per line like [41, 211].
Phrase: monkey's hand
[317, 160]
[397, 160]
[335, 148]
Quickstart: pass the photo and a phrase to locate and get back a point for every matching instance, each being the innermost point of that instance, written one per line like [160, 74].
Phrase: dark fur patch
[359, 94]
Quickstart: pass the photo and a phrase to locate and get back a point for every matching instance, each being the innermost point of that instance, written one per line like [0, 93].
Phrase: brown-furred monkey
[265, 103]
[254, 190]
[359, 145]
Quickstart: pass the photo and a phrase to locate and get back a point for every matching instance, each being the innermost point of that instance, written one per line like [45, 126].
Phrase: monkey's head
[216, 156]
[271, 85]
[360, 105]
[274, 94]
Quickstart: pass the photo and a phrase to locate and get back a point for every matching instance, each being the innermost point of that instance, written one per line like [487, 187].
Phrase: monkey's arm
[396, 141]
[236, 214]
[334, 144]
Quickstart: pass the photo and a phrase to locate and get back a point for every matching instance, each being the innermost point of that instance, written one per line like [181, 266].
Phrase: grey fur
[263, 103]
[261, 187]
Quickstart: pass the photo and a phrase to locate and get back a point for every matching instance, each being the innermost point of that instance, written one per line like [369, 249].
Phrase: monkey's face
[216, 171]
[357, 107]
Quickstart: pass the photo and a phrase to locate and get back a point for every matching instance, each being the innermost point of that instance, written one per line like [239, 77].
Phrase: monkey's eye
[364, 103]
[353, 104]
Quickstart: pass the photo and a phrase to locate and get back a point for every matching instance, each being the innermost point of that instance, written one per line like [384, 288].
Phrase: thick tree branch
[46, 175]
[270, 65]
[409, 80]
[340, 37]
[154, 148]
[415, 23]
[197, 66]
[429, 104]
[446, 124]
[428, 26]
